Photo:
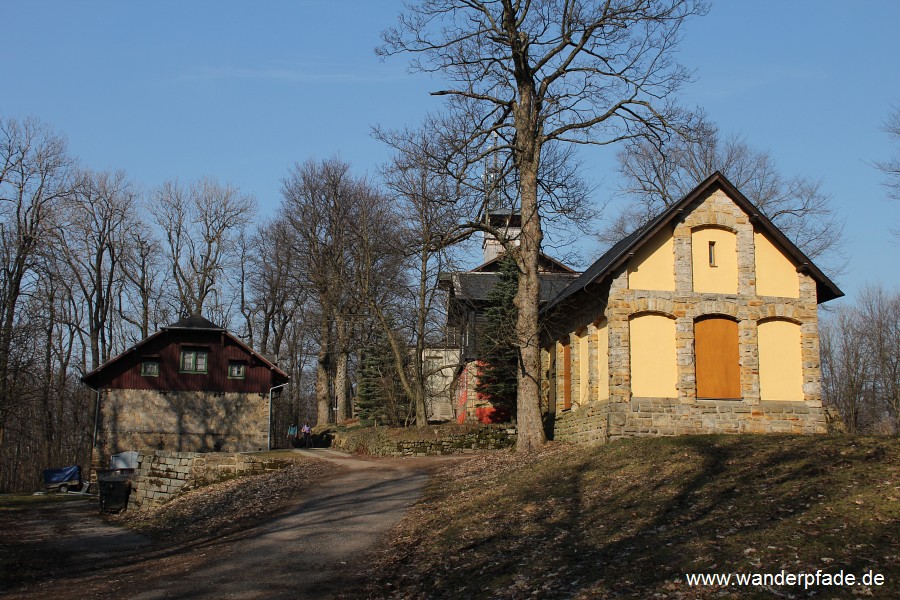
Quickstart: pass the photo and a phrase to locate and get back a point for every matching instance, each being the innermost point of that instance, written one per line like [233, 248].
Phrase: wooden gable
[134, 369]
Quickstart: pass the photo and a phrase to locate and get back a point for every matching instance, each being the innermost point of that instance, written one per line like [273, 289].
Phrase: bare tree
[538, 73]
[274, 306]
[201, 225]
[879, 312]
[36, 174]
[658, 174]
[141, 300]
[860, 346]
[415, 227]
[383, 265]
[318, 209]
[891, 167]
[846, 368]
[91, 237]
[270, 298]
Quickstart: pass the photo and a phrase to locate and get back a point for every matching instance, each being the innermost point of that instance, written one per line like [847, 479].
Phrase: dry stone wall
[381, 442]
[161, 476]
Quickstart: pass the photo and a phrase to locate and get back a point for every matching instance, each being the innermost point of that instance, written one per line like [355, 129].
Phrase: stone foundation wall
[600, 422]
[161, 476]
[666, 416]
[181, 421]
[582, 425]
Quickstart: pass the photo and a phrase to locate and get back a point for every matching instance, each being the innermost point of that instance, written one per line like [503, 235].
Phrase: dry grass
[221, 508]
[631, 518]
[18, 502]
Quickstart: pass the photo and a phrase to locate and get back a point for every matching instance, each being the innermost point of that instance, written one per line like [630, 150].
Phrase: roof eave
[88, 378]
[825, 288]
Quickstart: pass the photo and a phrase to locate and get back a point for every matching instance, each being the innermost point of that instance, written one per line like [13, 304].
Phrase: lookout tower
[499, 213]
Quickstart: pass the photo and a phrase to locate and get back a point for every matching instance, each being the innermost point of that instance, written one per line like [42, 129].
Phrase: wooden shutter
[717, 358]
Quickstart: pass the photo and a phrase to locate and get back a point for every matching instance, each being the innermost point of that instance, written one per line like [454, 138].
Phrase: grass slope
[630, 519]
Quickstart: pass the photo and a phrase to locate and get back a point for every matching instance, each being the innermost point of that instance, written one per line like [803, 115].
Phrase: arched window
[717, 358]
[780, 361]
[654, 369]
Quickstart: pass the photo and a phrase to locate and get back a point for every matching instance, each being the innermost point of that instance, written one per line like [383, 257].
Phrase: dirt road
[309, 551]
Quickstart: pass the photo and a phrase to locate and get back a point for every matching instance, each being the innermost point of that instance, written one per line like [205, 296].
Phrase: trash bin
[114, 490]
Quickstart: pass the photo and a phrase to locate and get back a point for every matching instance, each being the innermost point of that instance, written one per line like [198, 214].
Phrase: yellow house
[702, 321]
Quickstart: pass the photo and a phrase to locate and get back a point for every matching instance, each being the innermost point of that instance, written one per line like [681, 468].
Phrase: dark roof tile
[195, 322]
[475, 287]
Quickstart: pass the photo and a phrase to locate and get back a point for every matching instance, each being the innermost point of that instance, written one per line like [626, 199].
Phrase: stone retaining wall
[433, 442]
[161, 476]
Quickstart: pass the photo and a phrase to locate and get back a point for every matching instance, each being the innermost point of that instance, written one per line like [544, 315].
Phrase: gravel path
[310, 551]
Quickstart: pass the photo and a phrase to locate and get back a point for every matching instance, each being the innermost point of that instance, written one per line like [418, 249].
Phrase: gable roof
[476, 286]
[622, 250]
[192, 323]
[546, 263]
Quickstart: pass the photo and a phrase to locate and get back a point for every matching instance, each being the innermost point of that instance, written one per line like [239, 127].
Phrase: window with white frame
[237, 370]
[194, 361]
[150, 368]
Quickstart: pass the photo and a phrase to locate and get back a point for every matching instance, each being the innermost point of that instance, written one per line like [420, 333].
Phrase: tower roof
[195, 322]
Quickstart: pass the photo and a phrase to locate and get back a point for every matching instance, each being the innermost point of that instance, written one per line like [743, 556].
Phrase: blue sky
[241, 91]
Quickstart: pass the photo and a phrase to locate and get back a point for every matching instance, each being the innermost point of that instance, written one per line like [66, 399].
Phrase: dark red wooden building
[191, 386]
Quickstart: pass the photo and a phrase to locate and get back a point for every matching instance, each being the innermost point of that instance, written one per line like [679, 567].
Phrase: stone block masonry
[161, 476]
[431, 442]
[181, 421]
[586, 424]
[600, 422]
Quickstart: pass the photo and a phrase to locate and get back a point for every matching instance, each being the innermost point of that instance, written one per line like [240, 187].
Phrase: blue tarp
[63, 475]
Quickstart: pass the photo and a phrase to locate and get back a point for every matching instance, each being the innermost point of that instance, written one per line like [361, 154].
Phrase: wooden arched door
[717, 358]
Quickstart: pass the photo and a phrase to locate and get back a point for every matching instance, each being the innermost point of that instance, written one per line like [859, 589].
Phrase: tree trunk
[421, 324]
[531, 434]
[530, 426]
[323, 398]
[341, 397]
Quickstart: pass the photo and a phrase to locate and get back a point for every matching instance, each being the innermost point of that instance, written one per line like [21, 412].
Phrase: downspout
[96, 429]
[96, 422]
[271, 389]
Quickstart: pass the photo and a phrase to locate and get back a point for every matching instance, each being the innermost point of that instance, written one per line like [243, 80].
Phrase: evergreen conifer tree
[379, 396]
[500, 355]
